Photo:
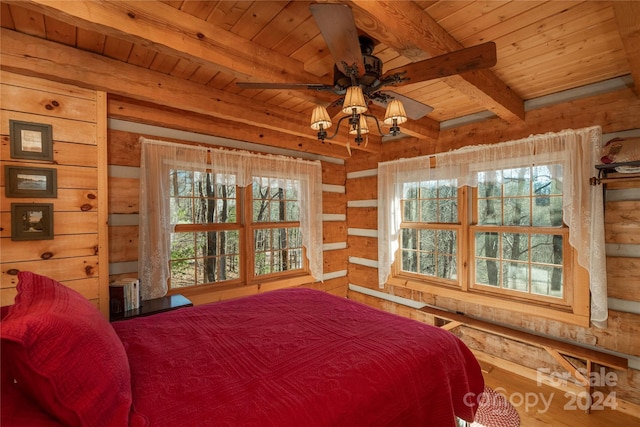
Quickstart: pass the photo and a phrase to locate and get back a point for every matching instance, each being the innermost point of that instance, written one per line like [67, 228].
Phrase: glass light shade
[395, 110]
[364, 128]
[320, 118]
[354, 98]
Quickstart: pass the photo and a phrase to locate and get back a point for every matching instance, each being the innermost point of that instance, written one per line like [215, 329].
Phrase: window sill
[212, 293]
[566, 315]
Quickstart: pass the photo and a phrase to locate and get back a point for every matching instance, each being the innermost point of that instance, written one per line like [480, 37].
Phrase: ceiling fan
[356, 67]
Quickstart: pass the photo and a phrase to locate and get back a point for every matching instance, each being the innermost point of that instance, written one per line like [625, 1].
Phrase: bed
[291, 357]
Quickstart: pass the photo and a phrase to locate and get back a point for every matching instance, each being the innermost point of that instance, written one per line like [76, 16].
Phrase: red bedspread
[296, 357]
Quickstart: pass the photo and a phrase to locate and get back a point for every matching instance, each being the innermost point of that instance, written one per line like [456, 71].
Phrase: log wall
[619, 115]
[79, 245]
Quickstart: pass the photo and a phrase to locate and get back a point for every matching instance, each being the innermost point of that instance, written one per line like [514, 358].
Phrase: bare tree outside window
[429, 237]
[203, 248]
[516, 252]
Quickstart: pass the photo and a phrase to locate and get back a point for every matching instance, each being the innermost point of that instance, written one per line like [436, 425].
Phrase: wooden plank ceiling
[188, 55]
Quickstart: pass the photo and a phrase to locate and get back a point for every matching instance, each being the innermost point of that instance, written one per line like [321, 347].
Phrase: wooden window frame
[245, 226]
[573, 308]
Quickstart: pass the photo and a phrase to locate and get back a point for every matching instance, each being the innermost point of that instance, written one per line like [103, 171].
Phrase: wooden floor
[519, 390]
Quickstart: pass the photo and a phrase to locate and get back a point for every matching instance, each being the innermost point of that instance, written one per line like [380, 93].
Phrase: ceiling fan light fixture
[354, 100]
[320, 118]
[364, 127]
[395, 114]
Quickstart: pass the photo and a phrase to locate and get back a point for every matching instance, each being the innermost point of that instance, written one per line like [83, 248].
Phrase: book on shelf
[124, 295]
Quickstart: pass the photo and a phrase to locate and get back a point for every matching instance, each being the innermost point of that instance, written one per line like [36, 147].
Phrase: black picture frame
[30, 182]
[31, 221]
[33, 141]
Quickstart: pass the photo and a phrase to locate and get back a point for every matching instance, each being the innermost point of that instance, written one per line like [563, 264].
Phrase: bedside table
[154, 306]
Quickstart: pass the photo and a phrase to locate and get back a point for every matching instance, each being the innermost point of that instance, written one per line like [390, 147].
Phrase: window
[519, 239]
[220, 218]
[509, 226]
[207, 211]
[276, 227]
[430, 229]
[206, 241]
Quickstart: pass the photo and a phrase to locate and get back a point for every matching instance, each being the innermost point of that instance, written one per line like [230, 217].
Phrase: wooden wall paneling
[406, 293]
[337, 286]
[124, 195]
[62, 270]
[335, 260]
[74, 252]
[365, 188]
[622, 221]
[621, 334]
[76, 154]
[123, 243]
[334, 207]
[360, 161]
[124, 148]
[333, 174]
[103, 214]
[362, 218]
[392, 307]
[364, 247]
[334, 231]
[77, 177]
[47, 104]
[513, 351]
[364, 276]
[623, 278]
[73, 245]
[48, 86]
[334, 203]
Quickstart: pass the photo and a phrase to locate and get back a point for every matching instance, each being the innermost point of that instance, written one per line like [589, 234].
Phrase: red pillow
[64, 354]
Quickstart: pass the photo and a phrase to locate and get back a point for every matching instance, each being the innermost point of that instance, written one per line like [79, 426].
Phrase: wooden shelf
[605, 169]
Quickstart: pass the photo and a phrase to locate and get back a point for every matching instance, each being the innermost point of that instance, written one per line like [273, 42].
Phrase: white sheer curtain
[583, 211]
[155, 227]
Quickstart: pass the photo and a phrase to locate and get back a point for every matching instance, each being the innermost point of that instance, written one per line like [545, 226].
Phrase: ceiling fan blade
[415, 110]
[252, 85]
[335, 107]
[460, 61]
[339, 31]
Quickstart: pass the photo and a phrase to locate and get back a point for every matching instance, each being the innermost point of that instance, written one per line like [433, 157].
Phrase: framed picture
[31, 221]
[30, 182]
[30, 140]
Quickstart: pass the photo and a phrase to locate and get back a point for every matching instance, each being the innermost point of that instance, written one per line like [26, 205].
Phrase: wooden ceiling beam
[406, 28]
[126, 109]
[32, 56]
[163, 28]
[187, 37]
[627, 15]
